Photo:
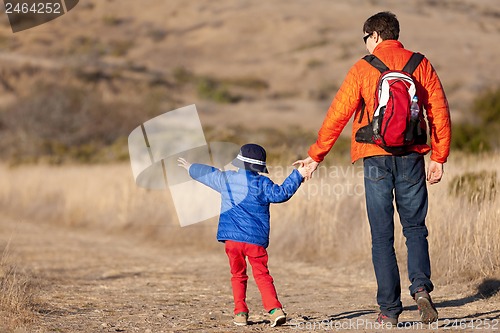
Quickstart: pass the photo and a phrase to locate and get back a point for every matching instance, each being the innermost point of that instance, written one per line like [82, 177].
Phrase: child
[244, 222]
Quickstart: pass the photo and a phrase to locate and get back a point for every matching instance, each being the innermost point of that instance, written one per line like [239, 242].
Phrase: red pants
[257, 256]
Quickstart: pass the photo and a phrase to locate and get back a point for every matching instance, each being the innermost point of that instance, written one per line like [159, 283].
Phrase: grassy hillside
[240, 62]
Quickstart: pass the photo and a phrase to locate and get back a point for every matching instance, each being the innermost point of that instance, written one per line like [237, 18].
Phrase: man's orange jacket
[361, 84]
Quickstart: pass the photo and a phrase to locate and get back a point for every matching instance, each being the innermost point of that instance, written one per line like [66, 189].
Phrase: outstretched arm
[205, 174]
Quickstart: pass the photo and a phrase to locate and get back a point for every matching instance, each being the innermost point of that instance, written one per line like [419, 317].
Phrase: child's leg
[257, 256]
[238, 264]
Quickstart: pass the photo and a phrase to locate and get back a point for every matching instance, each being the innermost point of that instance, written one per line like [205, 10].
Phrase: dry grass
[94, 196]
[463, 234]
[325, 221]
[18, 293]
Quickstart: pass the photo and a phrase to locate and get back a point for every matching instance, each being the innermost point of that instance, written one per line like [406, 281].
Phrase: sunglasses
[365, 38]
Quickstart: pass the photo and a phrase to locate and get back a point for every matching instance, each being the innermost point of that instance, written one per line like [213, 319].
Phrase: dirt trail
[94, 282]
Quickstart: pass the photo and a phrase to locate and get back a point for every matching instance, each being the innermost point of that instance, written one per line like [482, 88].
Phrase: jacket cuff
[314, 156]
[298, 174]
[441, 160]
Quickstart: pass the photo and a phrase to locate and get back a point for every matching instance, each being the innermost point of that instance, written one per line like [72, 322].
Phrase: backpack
[391, 127]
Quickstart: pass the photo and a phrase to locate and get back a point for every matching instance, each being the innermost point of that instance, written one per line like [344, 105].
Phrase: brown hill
[281, 60]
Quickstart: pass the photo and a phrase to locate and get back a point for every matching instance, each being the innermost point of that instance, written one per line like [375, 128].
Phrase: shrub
[248, 83]
[212, 89]
[476, 187]
[157, 34]
[487, 107]
[183, 75]
[120, 48]
[111, 20]
[18, 296]
[311, 45]
[60, 123]
[314, 63]
[325, 91]
[480, 134]
[469, 138]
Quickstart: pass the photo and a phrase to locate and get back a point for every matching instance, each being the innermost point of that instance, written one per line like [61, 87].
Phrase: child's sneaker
[428, 312]
[278, 317]
[241, 319]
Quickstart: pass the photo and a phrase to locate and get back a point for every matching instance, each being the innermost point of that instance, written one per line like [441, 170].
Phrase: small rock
[160, 315]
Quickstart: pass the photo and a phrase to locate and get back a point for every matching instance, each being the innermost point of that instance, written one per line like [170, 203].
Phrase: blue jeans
[401, 178]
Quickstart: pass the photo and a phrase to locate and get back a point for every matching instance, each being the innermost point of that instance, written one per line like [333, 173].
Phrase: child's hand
[183, 163]
[302, 169]
[310, 166]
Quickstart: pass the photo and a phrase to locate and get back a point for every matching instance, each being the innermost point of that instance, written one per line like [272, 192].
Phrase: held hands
[183, 163]
[435, 172]
[306, 167]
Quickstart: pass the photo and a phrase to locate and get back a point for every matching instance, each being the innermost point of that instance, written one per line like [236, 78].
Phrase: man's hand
[435, 172]
[309, 164]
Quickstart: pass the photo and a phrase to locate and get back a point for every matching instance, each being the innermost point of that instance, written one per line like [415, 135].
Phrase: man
[390, 176]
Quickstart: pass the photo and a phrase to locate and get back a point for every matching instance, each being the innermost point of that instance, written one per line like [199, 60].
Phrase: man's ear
[376, 36]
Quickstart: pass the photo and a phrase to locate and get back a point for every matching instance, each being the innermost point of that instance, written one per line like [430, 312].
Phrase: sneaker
[241, 319]
[428, 312]
[278, 317]
[386, 320]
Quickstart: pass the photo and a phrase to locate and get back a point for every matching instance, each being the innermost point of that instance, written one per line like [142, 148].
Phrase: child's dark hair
[385, 24]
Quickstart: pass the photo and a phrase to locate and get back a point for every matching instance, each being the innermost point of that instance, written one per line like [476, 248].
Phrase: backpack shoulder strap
[412, 64]
[362, 111]
[376, 62]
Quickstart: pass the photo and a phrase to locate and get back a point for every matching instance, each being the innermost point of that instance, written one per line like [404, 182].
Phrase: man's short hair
[385, 24]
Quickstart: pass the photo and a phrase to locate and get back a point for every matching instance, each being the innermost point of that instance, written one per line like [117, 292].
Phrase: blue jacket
[246, 196]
